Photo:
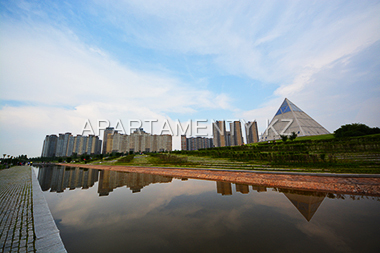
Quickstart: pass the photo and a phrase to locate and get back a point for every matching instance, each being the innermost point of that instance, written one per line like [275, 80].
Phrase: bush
[284, 138]
[355, 129]
[293, 136]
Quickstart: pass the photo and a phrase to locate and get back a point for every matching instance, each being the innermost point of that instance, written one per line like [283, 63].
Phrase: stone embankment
[333, 183]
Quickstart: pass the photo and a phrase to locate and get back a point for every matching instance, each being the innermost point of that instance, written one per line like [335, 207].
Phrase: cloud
[134, 59]
[271, 41]
[42, 60]
[59, 81]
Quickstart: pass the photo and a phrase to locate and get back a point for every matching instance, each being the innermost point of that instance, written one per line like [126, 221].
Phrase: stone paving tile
[345, 184]
[15, 210]
[20, 218]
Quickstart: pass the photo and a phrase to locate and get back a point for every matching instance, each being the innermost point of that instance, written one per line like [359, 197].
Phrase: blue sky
[63, 62]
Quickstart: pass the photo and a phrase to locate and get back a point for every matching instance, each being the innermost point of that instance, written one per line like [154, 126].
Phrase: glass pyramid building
[290, 118]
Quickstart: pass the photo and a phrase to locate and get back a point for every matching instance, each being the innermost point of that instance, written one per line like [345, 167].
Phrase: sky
[65, 63]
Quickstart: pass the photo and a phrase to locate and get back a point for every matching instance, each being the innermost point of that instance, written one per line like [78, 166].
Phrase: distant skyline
[63, 62]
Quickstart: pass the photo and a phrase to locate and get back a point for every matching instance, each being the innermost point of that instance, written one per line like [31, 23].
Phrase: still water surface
[107, 211]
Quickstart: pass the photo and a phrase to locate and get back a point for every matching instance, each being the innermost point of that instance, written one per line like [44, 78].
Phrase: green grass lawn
[315, 137]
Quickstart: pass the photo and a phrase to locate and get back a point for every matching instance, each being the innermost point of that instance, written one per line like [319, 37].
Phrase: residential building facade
[252, 134]
[67, 144]
[195, 143]
[138, 141]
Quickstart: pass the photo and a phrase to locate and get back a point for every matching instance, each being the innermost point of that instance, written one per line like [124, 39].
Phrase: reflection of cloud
[192, 215]
[334, 240]
[71, 210]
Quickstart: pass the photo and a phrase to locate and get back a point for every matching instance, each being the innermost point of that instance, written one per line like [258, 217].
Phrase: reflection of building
[306, 203]
[259, 188]
[223, 188]
[195, 143]
[110, 180]
[59, 178]
[243, 188]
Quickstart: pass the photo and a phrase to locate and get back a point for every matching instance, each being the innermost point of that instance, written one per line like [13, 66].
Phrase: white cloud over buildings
[157, 59]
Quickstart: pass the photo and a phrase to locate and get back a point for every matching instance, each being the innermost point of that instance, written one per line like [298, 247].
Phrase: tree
[355, 129]
[293, 136]
[284, 138]
[68, 159]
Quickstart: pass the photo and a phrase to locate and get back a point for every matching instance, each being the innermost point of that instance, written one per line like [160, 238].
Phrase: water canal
[108, 211]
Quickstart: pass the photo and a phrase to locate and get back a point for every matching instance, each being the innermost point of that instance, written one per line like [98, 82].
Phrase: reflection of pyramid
[290, 118]
[307, 205]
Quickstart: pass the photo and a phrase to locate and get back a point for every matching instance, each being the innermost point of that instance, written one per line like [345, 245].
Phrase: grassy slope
[225, 163]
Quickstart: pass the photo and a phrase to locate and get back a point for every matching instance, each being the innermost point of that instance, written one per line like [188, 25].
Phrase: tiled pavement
[26, 224]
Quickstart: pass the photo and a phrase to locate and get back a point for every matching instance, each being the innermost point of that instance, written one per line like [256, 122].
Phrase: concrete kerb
[47, 233]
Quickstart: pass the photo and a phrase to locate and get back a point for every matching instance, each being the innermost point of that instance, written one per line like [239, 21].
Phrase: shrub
[293, 136]
[355, 129]
[284, 138]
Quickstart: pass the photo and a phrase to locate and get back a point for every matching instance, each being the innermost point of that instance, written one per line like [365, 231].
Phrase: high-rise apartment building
[109, 130]
[138, 141]
[70, 146]
[252, 135]
[222, 137]
[236, 136]
[50, 146]
[183, 142]
[195, 143]
[228, 138]
[60, 143]
[66, 145]
[219, 134]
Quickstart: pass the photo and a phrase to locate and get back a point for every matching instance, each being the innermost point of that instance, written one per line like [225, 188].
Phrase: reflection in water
[199, 216]
[306, 203]
[59, 178]
[110, 180]
[224, 188]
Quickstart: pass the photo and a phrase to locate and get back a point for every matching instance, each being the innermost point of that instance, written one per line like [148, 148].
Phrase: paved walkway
[26, 224]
